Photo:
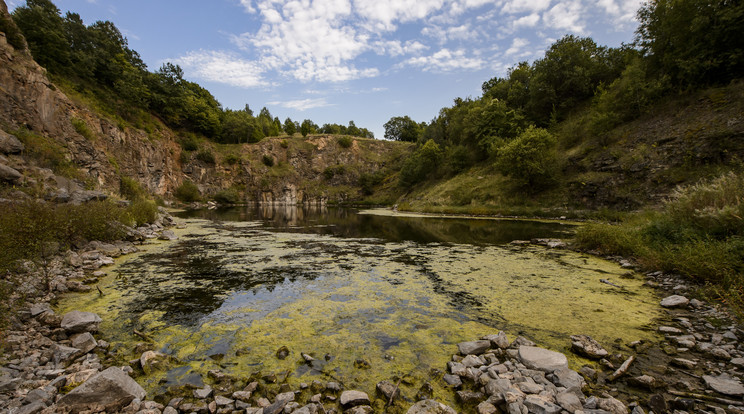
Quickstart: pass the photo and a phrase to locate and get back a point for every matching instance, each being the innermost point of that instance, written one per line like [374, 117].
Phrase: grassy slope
[681, 140]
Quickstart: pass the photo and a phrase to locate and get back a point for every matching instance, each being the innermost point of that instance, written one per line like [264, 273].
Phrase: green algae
[227, 295]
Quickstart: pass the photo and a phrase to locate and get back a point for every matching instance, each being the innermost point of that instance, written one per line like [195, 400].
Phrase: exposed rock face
[111, 389]
[9, 144]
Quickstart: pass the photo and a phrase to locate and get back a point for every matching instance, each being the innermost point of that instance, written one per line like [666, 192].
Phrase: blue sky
[333, 61]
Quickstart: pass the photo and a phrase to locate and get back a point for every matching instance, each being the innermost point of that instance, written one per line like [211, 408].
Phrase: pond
[371, 295]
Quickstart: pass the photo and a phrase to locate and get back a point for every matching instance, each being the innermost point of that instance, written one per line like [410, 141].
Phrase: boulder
[168, 235]
[77, 321]
[112, 389]
[9, 144]
[203, 393]
[390, 391]
[674, 301]
[538, 405]
[612, 405]
[430, 407]
[724, 384]
[152, 360]
[352, 398]
[542, 359]
[585, 345]
[9, 174]
[498, 340]
[473, 347]
[85, 342]
[569, 401]
[64, 354]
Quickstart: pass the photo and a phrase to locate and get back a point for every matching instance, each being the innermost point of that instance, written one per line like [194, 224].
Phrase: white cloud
[446, 60]
[520, 6]
[383, 14]
[621, 11]
[302, 104]
[566, 16]
[526, 21]
[517, 45]
[396, 48]
[223, 67]
[248, 6]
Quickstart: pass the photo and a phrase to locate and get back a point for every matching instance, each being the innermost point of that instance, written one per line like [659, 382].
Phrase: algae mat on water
[227, 295]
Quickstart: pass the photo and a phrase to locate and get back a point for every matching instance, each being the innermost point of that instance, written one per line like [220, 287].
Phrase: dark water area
[348, 223]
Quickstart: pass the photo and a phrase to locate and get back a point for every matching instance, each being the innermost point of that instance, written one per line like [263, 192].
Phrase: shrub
[130, 188]
[227, 196]
[82, 128]
[284, 144]
[367, 181]
[12, 32]
[530, 158]
[188, 192]
[420, 164]
[185, 157]
[206, 156]
[332, 171]
[268, 160]
[232, 159]
[142, 211]
[345, 141]
[189, 143]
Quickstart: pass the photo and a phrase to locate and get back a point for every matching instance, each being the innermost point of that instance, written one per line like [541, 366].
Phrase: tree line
[680, 45]
[97, 59]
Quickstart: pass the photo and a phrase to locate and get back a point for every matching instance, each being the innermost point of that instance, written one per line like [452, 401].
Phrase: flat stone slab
[542, 359]
[724, 384]
[674, 301]
[77, 321]
[473, 347]
[112, 389]
[353, 398]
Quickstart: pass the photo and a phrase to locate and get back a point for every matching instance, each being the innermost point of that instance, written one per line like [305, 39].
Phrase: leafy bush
[185, 157]
[12, 33]
[345, 141]
[530, 158]
[232, 159]
[267, 160]
[423, 162]
[206, 156]
[284, 144]
[332, 171]
[130, 188]
[227, 196]
[142, 211]
[189, 143]
[47, 153]
[368, 181]
[81, 127]
[187, 192]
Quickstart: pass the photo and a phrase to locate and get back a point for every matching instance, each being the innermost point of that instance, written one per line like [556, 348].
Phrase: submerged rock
[112, 389]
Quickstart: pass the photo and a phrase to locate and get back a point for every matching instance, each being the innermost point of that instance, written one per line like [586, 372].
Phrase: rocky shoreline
[55, 363]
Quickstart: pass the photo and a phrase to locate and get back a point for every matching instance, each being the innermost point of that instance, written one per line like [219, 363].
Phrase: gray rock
[470, 398]
[224, 401]
[670, 330]
[473, 347]
[152, 360]
[9, 144]
[738, 362]
[674, 301]
[203, 393]
[64, 354]
[542, 359]
[585, 345]
[453, 381]
[569, 401]
[538, 405]
[275, 408]
[486, 408]
[77, 321]
[724, 384]
[499, 340]
[112, 389]
[390, 391]
[38, 394]
[684, 363]
[472, 361]
[9, 174]
[359, 409]
[353, 398]
[168, 235]
[39, 308]
[244, 396]
[84, 342]
[8, 383]
[33, 408]
[569, 379]
[430, 407]
[170, 410]
[286, 396]
[612, 405]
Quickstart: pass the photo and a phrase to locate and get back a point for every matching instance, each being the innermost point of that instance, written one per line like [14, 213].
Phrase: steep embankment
[70, 147]
[678, 142]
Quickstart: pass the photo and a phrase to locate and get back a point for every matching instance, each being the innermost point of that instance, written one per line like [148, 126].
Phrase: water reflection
[345, 222]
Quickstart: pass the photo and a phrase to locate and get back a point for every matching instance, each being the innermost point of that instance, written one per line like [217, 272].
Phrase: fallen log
[702, 397]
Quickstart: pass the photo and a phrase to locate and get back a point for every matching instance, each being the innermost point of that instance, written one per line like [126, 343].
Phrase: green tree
[402, 128]
[423, 163]
[43, 26]
[289, 126]
[530, 158]
[308, 127]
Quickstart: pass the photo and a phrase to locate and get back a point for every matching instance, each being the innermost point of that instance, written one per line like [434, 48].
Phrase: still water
[395, 291]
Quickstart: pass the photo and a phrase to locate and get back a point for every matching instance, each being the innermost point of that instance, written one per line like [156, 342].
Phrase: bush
[330, 172]
[232, 159]
[130, 189]
[368, 182]
[188, 192]
[268, 160]
[142, 211]
[227, 196]
[12, 33]
[284, 144]
[82, 128]
[345, 141]
[206, 156]
[189, 143]
[530, 158]
[185, 157]
[420, 164]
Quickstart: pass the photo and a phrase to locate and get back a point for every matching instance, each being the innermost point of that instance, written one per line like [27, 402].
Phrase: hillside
[70, 146]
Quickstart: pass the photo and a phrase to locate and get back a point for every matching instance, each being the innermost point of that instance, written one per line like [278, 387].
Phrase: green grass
[81, 127]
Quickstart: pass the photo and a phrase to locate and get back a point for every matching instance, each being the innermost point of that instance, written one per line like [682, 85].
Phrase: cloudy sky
[341, 60]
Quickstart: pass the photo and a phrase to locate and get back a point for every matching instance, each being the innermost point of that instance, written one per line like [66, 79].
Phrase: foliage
[81, 127]
[290, 126]
[421, 164]
[187, 192]
[530, 158]
[227, 196]
[47, 153]
[142, 211]
[368, 181]
[12, 32]
[232, 159]
[334, 170]
[189, 143]
[130, 189]
[206, 156]
[694, 42]
[344, 141]
[308, 127]
[267, 160]
[284, 144]
[402, 128]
